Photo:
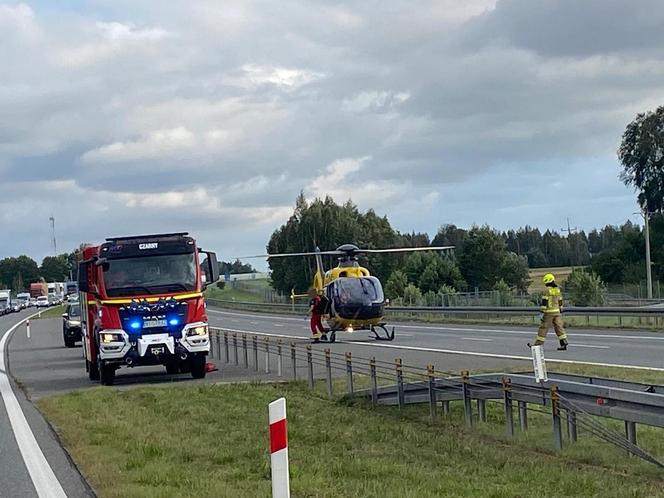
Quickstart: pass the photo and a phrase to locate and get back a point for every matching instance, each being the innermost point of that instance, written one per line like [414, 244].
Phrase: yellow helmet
[548, 278]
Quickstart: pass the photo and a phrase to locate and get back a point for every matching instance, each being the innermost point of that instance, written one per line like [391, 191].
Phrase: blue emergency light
[174, 321]
[135, 324]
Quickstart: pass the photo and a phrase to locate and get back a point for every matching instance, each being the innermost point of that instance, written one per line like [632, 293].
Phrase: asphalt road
[470, 347]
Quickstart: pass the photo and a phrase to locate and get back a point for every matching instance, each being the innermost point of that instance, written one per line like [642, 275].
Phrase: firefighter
[551, 308]
[317, 305]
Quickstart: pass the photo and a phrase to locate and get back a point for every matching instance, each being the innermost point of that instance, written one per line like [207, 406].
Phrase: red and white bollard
[279, 449]
[27, 328]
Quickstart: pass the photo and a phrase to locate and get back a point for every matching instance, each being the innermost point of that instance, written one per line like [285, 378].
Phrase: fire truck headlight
[200, 330]
[108, 337]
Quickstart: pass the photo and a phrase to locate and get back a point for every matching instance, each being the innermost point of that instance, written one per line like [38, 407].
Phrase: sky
[120, 117]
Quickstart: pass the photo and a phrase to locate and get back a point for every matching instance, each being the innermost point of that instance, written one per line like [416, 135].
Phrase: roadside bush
[411, 295]
[505, 294]
[585, 288]
[221, 284]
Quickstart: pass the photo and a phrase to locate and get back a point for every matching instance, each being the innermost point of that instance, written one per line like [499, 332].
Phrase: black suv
[71, 325]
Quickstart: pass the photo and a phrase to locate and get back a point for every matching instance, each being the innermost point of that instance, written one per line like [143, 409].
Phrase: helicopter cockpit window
[364, 290]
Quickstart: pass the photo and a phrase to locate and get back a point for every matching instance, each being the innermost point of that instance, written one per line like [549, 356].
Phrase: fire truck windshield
[150, 275]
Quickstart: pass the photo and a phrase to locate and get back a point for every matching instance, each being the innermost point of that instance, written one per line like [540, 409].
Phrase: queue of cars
[9, 304]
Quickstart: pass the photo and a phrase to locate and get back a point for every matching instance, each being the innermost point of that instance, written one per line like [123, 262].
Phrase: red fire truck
[142, 304]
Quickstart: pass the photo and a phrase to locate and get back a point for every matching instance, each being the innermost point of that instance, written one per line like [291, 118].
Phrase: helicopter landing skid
[381, 333]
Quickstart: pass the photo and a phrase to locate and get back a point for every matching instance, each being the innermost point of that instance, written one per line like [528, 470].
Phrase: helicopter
[355, 298]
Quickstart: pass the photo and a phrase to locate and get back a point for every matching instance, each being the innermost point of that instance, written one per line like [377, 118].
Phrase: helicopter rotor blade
[289, 254]
[406, 249]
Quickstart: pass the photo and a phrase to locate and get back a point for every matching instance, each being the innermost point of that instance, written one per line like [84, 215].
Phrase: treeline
[235, 268]
[483, 258]
[615, 253]
[18, 273]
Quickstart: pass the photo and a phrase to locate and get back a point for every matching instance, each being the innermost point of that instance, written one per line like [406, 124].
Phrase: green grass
[211, 441]
[52, 312]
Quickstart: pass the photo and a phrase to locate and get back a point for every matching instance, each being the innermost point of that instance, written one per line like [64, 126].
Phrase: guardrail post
[218, 346]
[211, 336]
[571, 425]
[481, 410]
[228, 357]
[280, 359]
[467, 401]
[310, 367]
[509, 414]
[254, 345]
[293, 361]
[267, 355]
[630, 432]
[374, 381]
[245, 351]
[349, 374]
[328, 370]
[446, 408]
[523, 416]
[399, 372]
[235, 352]
[555, 412]
[432, 391]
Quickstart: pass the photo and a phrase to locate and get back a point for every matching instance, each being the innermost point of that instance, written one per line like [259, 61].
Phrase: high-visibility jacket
[552, 301]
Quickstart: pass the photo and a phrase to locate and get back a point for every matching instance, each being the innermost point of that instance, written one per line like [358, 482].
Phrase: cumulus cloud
[214, 115]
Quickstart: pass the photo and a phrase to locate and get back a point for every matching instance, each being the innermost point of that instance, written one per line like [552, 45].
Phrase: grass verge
[211, 441]
[52, 312]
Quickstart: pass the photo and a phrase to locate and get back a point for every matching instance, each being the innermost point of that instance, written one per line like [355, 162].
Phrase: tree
[411, 295]
[484, 260]
[641, 154]
[585, 288]
[396, 285]
[55, 268]
[23, 265]
[504, 292]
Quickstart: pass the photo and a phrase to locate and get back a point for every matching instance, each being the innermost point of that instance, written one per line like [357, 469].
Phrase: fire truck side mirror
[83, 283]
[212, 272]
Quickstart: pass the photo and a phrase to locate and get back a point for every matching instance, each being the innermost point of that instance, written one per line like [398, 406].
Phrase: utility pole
[570, 231]
[646, 218]
[53, 242]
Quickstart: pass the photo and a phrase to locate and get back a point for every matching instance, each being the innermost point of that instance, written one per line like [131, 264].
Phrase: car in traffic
[71, 325]
[16, 306]
[43, 302]
[32, 302]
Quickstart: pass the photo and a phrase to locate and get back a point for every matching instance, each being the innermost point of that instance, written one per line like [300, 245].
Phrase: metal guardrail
[575, 400]
[467, 310]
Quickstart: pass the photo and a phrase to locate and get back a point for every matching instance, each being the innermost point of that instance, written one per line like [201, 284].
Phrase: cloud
[213, 116]
[160, 143]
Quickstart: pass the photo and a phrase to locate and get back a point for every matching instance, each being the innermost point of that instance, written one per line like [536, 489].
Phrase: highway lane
[615, 347]
[32, 462]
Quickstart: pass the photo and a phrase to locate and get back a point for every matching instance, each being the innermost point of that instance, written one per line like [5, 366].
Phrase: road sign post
[539, 365]
[279, 449]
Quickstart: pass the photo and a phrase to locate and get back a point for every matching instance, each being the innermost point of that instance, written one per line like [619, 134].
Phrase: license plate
[154, 323]
[157, 350]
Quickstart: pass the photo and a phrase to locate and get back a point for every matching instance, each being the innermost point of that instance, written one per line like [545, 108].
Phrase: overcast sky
[121, 117]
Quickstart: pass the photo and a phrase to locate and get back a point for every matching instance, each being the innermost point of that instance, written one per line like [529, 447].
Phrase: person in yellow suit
[551, 308]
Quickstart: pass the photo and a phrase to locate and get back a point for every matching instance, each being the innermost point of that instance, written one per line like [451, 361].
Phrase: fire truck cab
[142, 303]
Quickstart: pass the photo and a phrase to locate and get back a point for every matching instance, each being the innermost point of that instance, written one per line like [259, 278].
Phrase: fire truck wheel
[198, 366]
[172, 368]
[69, 343]
[106, 374]
[93, 371]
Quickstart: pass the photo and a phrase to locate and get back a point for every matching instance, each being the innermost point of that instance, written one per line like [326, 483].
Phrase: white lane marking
[274, 324]
[43, 478]
[452, 351]
[461, 329]
[588, 346]
[506, 356]
[524, 332]
[472, 339]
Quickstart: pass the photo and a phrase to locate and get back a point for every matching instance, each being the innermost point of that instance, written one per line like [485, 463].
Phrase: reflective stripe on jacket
[552, 301]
